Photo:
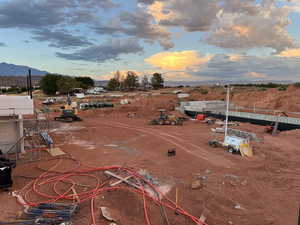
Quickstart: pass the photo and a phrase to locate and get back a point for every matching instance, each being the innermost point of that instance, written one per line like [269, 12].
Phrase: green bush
[262, 89]
[282, 88]
[263, 85]
[203, 91]
[297, 84]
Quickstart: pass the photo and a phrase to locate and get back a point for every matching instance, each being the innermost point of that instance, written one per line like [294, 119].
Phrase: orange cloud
[241, 30]
[184, 60]
[156, 10]
[255, 75]
[290, 53]
[234, 58]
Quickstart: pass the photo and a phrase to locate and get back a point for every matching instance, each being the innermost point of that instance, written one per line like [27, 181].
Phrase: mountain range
[13, 70]
[17, 70]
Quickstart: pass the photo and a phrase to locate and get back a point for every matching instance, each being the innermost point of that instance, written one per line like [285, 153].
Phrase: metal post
[30, 82]
[27, 84]
[227, 110]
[21, 132]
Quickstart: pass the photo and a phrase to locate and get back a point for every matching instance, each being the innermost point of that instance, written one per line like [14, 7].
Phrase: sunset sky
[183, 39]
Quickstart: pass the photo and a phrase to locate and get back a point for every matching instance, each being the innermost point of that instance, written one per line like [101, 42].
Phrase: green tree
[157, 81]
[113, 85]
[65, 84]
[131, 81]
[49, 83]
[85, 82]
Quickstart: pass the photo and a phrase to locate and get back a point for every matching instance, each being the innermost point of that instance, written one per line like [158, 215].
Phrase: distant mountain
[16, 70]
[207, 82]
[223, 82]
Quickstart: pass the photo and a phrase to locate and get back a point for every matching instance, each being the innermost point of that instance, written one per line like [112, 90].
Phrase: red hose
[53, 180]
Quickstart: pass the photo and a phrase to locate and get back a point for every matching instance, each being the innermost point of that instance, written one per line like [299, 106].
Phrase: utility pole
[30, 83]
[27, 84]
[227, 110]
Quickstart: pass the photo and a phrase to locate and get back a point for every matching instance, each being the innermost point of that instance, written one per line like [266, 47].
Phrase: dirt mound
[150, 105]
[272, 98]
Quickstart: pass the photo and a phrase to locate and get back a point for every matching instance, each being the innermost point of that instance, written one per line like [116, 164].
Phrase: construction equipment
[234, 145]
[166, 119]
[68, 116]
[273, 129]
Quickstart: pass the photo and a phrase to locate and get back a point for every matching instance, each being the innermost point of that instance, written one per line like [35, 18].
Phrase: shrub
[203, 91]
[282, 88]
[297, 84]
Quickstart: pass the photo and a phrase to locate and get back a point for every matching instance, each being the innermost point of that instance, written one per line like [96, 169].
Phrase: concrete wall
[9, 134]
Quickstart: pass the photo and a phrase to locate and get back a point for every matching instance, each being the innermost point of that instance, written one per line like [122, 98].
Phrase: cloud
[2, 44]
[230, 24]
[255, 75]
[139, 24]
[181, 76]
[43, 13]
[109, 50]
[60, 38]
[184, 60]
[295, 5]
[189, 14]
[146, 1]
[290, 53]
[262, 25]
[251, 67]
[157, 11]
[235, 58]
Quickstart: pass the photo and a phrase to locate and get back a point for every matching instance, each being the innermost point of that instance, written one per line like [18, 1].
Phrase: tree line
[52, 83]
[131, 82]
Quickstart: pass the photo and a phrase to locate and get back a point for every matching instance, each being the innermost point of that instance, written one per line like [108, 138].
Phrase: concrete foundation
[11, 130]
[12, 109]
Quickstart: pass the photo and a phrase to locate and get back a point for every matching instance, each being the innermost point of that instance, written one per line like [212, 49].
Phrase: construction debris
[237, 206]
[196, 184]
[91, 105]
[183, 95]
[124, 102]
[243, 134]
[47, 139]
[47, 214]
[111, 174]
[171, 152]
[106, 213]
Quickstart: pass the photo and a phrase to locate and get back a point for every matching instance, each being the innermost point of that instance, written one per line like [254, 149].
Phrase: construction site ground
[262, 190]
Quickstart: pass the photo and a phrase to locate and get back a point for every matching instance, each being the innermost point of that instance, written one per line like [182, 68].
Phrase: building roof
[15, 105]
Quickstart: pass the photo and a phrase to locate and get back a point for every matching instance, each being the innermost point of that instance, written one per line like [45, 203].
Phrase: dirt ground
[266, 186]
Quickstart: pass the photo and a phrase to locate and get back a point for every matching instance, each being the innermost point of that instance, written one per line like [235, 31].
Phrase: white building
[12, 110]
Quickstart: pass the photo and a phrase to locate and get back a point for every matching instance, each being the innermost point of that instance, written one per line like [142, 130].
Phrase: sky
[182, 39]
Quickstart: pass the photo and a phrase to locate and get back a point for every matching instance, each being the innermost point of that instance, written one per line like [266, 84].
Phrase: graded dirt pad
[263, 190]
